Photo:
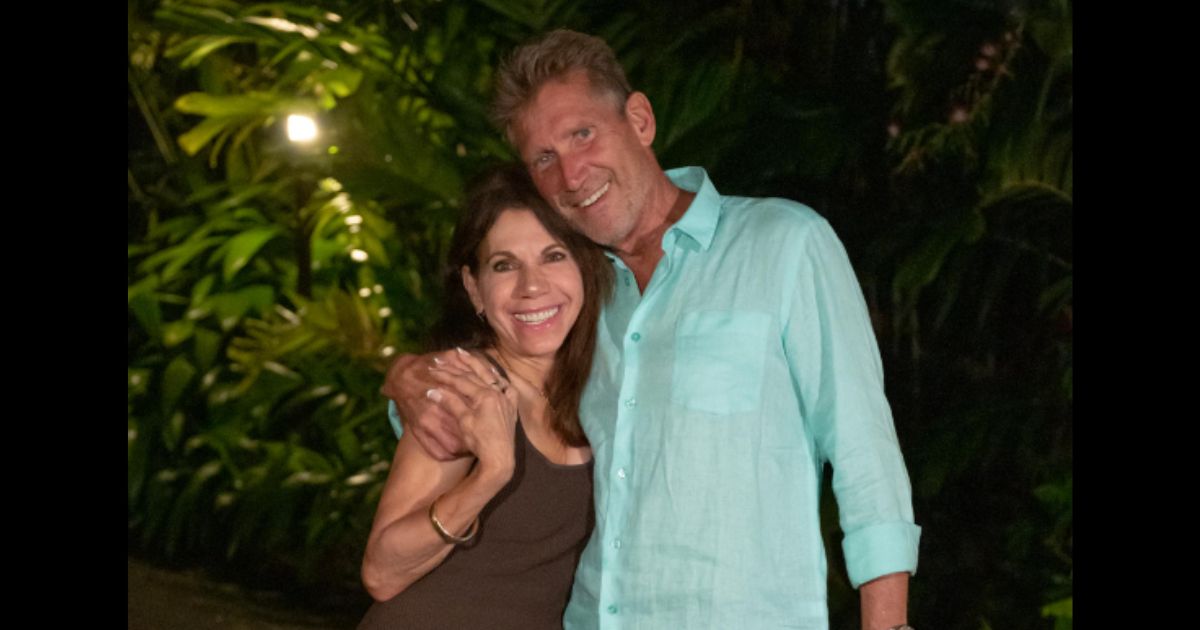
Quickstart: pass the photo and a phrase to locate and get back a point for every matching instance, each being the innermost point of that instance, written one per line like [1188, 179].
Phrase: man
[735, 359]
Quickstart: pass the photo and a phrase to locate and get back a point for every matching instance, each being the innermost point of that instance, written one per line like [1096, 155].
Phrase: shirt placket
[621, 467]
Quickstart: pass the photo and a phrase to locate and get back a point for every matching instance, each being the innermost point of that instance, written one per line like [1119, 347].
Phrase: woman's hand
[486, 407]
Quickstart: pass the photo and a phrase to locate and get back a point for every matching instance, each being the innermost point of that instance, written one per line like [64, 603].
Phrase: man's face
[587, 159]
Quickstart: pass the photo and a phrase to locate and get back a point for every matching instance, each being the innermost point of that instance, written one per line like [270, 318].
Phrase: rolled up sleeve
[879, 550]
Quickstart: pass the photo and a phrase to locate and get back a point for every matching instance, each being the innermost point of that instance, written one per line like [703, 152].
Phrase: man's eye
[543, 160]
[584, 133]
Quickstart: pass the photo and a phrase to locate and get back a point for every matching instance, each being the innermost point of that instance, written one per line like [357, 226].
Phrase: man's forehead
[574, 101]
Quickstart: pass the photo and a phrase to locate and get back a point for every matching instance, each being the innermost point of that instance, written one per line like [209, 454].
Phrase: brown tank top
[517, 572]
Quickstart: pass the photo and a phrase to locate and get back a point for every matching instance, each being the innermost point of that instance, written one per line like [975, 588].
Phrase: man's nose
[574, 172]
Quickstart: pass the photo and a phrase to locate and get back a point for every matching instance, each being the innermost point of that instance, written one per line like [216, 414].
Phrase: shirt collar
[700, 220]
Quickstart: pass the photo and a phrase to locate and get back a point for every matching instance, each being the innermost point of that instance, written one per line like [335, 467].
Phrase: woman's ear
[472, 288]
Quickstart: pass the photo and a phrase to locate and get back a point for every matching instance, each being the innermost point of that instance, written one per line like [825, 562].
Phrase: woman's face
[529, 286]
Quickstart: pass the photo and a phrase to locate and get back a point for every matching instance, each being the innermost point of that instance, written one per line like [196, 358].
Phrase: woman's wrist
[494, 472]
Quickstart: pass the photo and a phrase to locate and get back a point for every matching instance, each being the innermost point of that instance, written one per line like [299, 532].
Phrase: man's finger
[450, 401]
[439, 433]
[466, 385]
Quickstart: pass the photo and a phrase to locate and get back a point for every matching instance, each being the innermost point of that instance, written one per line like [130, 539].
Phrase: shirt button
[617, 544]
[612, 609]
[636, 336]
[630, 402]
[620, 473]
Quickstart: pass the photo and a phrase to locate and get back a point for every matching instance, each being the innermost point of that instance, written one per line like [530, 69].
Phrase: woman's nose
[532, 280]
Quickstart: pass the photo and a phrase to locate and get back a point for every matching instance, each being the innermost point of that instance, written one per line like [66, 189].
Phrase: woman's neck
[535, 370]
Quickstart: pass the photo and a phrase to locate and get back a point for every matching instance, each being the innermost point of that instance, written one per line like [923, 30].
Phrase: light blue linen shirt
[714, 402]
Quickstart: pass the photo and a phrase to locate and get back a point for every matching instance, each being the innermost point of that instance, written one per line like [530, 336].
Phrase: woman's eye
[503, 265]
[556, 256]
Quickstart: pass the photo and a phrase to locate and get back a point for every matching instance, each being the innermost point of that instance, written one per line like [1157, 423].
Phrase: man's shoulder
[771, 216]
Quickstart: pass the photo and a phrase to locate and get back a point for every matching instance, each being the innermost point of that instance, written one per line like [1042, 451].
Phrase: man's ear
[641, 115]
[472, 288]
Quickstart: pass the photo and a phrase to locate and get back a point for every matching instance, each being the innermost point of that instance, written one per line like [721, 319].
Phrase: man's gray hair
[553, 56]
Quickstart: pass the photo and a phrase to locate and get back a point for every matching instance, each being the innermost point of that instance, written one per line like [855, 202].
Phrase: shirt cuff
[879, 550]
[394, 419]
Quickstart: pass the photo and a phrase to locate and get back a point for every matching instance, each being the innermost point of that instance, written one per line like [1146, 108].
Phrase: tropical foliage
[270, 281]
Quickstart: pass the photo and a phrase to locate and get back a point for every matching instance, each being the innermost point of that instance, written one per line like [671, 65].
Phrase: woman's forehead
[517, 228]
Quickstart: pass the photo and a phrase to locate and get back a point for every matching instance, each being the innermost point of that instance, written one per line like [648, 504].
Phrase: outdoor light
[358, 255]
[301, 128]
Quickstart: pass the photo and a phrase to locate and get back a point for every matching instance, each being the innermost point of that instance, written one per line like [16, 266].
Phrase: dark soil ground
[164, 599]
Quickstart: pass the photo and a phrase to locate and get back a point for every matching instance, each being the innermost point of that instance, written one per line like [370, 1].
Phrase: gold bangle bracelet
[449, 538]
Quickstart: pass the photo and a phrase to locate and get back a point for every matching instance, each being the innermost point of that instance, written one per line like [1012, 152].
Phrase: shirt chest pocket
[719, 361]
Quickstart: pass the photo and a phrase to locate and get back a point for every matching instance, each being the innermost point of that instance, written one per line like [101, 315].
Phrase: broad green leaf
[348, 444]
[212, 44]
[214, 153]
[177, 332]
[323, 250]
[136, 249]
[145, 308]
[200, 289]
[145, 285]
[172, 430]
[342, 81]
[1054, 296]
[243, 246]
[139, 380]
[185, 254]
[230, 307]
[283, 26]
[167, 254]
[375, 249]
[195, 139]
[176, 377]
[228, 105]
[921, 267]
[243, 195]
[1061, 609]
[207, 346]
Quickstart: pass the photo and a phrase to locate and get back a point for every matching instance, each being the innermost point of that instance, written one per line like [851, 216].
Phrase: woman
[491, 540]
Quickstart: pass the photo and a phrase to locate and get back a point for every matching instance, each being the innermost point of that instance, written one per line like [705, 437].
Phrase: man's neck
[667, 205]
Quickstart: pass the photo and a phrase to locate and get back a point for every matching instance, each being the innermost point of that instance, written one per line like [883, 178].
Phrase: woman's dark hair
[503, 188]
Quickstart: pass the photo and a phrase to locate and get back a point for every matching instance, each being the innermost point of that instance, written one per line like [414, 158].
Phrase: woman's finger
[466, 385]
[483, 369]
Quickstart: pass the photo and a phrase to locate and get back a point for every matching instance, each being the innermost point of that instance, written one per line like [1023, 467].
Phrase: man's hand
[407, 383]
